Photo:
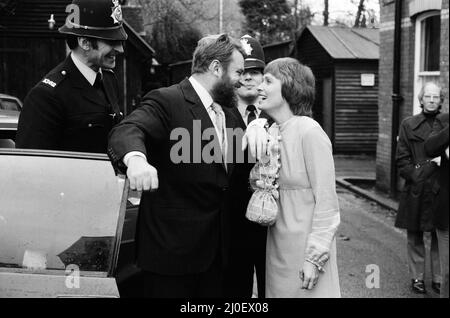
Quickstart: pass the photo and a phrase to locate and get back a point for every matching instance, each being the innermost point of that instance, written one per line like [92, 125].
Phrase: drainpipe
[396, 97]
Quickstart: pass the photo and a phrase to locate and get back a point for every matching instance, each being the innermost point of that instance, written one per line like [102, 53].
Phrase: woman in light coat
[301, 245]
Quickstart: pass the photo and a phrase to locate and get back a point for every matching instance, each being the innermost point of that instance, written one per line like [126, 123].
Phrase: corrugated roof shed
[347, 43]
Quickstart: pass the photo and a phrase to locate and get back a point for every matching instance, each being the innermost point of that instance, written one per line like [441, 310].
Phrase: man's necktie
[251, 113]
[219, 122]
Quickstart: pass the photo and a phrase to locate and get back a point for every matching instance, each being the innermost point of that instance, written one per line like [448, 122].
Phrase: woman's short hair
[298, 85]
[214, 47]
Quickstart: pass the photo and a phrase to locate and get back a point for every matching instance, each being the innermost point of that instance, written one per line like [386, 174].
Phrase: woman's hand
[309, 275]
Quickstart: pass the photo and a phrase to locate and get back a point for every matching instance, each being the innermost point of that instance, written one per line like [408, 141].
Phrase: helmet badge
[246, 46]
[116, 14]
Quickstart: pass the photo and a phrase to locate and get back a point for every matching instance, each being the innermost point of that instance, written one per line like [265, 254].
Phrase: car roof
[8, 119]
[8, 96]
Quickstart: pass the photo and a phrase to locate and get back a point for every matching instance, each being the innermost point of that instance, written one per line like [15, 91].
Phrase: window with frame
[427, 52]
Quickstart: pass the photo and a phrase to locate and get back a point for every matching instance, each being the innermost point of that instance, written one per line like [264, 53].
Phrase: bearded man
[183, 227]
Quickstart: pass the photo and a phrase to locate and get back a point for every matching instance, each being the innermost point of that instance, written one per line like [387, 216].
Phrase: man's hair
[297, 84]
[72, 41]
[422, 92]
[214, 47]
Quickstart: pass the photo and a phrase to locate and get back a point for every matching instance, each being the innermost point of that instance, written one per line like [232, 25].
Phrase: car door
[61, 221]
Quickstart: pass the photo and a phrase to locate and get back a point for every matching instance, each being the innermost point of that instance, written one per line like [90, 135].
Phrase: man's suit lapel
[233, 121]
[199, 112]
[239, 118]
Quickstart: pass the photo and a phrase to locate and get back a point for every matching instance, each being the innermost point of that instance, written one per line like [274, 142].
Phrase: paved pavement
[358, 174]
[363, 166]
[367, 240]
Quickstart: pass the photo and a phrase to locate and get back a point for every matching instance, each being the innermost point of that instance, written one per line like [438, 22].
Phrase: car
[8, 128]
[60, 231]
[117, 276]
[11, 103]
[10, 108]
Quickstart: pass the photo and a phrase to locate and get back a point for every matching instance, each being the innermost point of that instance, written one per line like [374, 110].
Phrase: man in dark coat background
[74, 107]
[437, 145]
[420, 172]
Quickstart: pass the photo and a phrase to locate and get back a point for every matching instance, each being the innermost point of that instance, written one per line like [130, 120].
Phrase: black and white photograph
[224, 154]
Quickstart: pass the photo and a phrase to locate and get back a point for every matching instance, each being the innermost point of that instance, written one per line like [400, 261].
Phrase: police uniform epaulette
[53, 79]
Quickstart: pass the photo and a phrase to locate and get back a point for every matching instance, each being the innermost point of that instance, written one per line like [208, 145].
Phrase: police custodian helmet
[100, 19]
[254, 54]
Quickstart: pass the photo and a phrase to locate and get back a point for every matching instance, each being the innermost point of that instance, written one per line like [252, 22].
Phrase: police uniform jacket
[65, 112]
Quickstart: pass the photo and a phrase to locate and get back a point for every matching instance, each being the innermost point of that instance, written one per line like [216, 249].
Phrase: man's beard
[224, 93]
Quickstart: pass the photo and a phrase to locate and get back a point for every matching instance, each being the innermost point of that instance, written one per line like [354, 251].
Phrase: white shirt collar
[204, 95]
[87, 72]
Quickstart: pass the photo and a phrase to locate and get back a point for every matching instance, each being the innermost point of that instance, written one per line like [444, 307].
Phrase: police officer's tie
[216, 113]
[251, 113]
[98, 85]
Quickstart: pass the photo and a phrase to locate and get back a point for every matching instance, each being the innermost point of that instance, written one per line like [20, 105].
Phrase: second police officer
[248, 239]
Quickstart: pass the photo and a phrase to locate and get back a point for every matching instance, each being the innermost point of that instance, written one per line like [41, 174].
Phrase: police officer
[248, 239]
[75, 105]
[253, 76]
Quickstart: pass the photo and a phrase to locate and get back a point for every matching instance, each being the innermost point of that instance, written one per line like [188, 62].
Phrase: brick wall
[444, 53]
[383, 160]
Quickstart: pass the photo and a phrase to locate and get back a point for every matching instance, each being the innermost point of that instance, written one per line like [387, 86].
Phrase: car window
[9, 104]
[59, 211]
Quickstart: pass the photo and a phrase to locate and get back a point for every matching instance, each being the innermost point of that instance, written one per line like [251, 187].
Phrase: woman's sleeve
[326, 218]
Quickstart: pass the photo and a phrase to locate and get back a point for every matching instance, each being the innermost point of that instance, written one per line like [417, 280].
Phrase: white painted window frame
[418, 75]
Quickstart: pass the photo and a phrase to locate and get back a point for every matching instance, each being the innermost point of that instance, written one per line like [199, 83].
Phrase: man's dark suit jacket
[435, 146]
[184, 225]
[64, 112]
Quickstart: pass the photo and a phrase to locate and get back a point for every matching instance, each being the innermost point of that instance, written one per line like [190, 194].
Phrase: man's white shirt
[85, 70]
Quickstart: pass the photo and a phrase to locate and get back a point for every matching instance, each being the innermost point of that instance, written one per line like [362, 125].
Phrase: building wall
[25, 61]
[444, 53]
[383, 160]
[130, 81]
[356, 108]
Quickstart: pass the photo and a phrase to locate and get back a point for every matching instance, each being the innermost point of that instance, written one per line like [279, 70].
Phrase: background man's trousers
[416, 256]
[442, 236]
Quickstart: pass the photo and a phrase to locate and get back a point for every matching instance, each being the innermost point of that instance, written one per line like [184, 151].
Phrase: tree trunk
[359, 13]
[296, 14]
[326, 13]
